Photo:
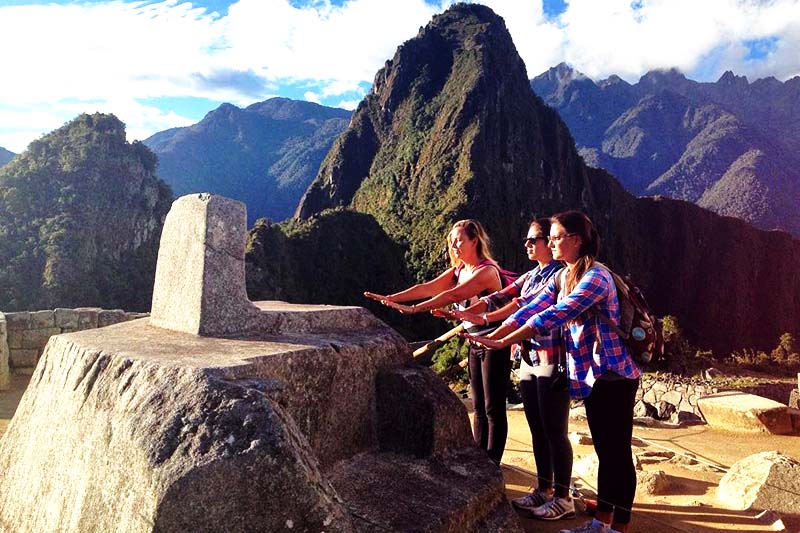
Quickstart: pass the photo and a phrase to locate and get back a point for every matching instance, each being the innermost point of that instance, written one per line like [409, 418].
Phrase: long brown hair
[474, 230]
[579, 224]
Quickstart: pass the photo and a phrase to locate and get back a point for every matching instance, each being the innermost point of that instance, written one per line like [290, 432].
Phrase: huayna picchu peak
[452, 130]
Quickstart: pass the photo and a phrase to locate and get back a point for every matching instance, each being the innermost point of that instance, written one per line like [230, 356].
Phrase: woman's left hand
[405, 309]
[486, 342]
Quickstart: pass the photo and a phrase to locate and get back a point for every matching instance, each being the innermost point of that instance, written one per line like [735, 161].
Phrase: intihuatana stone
[766, 480]
[307, 418]
[200, 275]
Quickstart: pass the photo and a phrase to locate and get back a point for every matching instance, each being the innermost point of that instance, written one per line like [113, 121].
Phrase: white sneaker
[555, 509]
[531, 501]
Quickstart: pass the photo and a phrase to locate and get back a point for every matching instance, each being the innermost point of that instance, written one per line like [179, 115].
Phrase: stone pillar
[200, 275]
[5, 372]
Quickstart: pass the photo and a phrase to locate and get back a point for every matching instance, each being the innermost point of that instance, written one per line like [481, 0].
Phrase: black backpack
[639, 328]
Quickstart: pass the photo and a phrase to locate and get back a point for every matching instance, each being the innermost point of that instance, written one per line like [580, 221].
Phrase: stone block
[18, 321]
[766, 480]
[674, 397]
[23, 358]
[42, 319]
[652, 482]
[66, 318]
[738, 411]
[14, 338]
[5, 371]
[200, 275]
[108, 317]
[3, 327]
[36, 339]
[87, 317]
[794, 399]
[650, 397]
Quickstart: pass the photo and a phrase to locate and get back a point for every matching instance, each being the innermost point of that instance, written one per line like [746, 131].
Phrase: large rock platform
[738, 411]
[290, 418]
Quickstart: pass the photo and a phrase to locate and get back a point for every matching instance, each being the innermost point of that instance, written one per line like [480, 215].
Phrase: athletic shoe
[595, 526]
[555, 509]
[531, 501]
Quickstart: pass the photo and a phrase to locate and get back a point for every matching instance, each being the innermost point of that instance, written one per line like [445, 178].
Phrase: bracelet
[485, 319]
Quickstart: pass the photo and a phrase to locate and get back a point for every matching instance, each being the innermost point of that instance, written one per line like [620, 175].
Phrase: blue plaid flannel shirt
[524, 289]
[592, 348]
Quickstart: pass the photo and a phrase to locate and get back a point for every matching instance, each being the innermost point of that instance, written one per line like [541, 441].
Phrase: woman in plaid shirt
[546, 407]
[600, 369]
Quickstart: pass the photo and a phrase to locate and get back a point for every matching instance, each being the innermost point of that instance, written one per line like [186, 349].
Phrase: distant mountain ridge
[81, 212]
[729, 146]
[453, 130]
[5, 156]
[264, 155]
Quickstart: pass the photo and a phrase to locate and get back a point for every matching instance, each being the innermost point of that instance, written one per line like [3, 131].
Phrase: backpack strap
[561, 279]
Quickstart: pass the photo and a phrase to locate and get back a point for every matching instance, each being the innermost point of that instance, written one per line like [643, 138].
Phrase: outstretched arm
[441, 283]
[501, 337]
[484, 279]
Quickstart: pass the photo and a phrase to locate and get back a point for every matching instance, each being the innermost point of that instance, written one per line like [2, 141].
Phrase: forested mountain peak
[264, 155]
[81, 212]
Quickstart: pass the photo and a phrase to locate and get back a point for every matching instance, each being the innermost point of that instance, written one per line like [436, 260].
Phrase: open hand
[405, 309]
[486, 342]
[373, 296]
[444, 313]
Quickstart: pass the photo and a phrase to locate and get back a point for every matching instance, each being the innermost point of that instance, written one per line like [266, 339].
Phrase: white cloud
[348, 104]
[628, 39]
[311, 97]
[119, 53]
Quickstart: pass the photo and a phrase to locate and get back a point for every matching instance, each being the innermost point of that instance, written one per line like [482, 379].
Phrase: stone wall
[23, 335]
[4, 370]
[668, 397]
[674, 398]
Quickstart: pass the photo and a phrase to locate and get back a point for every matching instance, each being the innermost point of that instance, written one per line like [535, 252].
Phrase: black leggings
[489, 375]
[547, 412]
[609, 412]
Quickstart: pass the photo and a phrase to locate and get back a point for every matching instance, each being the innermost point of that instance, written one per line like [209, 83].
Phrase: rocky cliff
[728, 146]
[452, 130]
[81, 212]
[5, 156]
[264, 155]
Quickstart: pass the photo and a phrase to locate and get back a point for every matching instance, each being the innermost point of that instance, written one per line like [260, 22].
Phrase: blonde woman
[473, 273]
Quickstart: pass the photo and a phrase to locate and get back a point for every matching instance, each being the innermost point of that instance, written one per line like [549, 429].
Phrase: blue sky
[162, 64]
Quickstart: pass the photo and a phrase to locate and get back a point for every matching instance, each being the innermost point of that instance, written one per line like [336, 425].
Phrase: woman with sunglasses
[546, 407]
[601, 371]
[473, 273]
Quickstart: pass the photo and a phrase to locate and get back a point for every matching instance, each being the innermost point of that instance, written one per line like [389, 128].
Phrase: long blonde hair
[474, 230]
[579, 224]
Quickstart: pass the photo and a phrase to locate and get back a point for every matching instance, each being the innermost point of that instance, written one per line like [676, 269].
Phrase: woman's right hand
[457, 314]
[377, 297]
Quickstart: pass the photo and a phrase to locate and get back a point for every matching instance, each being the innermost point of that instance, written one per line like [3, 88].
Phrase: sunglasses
[531, 241]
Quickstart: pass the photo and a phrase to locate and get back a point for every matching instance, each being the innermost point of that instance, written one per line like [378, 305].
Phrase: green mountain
[264, 155]
[452, 130]
[729, 146]
[5, 156]
[81, 212]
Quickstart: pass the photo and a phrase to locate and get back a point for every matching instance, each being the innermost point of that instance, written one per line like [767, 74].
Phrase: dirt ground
[691, 505]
